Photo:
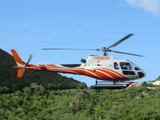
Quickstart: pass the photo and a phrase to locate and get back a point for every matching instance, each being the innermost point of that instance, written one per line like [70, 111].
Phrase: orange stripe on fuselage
[117, 73]
[55, 68]
[98, 73]
[114, 74]
[103, 74]
[90, 73]
[68, 70]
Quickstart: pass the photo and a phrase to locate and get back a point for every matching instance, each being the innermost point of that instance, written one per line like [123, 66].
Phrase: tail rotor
[24, 68]
[21, 66]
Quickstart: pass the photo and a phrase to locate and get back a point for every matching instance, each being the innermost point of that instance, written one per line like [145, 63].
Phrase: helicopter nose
[141, 74]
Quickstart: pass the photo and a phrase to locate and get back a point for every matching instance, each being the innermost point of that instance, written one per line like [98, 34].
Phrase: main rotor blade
[118, 42]
[66, 49]
[125, 53]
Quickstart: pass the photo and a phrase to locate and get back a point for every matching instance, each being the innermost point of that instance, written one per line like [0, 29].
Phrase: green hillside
[48, 79]
[39, 96]
[151, 83]
[37, 103]
[158, 79]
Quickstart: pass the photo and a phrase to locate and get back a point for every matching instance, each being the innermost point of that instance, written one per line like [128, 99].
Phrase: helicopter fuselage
[98, 67]
[103, 68]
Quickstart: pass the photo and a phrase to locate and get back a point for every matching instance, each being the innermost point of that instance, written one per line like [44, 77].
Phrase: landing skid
[108, 86]
[114, 82]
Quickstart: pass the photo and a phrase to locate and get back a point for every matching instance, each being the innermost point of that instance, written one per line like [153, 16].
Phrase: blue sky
[28, 26]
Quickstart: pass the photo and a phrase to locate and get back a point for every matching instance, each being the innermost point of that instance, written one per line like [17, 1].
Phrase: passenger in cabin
[125, 66]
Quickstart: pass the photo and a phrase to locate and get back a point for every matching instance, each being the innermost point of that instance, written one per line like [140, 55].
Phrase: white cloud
[152, 6]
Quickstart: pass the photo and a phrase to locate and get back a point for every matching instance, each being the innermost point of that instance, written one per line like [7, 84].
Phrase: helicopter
[105, 67]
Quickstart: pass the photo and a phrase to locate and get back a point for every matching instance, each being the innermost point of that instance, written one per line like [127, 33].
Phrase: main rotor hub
[105, 49]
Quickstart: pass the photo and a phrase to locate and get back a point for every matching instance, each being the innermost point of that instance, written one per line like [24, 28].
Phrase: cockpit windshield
[126, 66]
[135, 66]
[129, 66]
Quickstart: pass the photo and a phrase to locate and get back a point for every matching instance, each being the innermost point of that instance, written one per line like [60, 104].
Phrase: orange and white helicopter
[99, 67]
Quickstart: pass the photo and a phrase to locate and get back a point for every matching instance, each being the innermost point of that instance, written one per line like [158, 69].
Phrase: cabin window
[125, 66]
[116, 65]
[128, 72]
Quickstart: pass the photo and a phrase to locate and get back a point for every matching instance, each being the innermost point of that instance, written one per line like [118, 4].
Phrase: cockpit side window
[125, 66]
[116, 65]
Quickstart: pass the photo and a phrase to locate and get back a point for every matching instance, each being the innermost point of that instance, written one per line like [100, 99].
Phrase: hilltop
[48, 79]
[154, 82]
[158, 79]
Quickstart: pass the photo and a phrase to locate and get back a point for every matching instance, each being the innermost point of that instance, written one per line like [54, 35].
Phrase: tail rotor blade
[30, 57]
[24, 68]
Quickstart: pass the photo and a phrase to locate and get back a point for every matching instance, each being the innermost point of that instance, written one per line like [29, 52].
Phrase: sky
[28, 26]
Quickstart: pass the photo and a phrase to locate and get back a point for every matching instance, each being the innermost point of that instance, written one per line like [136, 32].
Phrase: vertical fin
[19, 62]
[17, 58]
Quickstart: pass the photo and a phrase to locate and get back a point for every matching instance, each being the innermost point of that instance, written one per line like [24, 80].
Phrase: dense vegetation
[37, 103]
[50, 96]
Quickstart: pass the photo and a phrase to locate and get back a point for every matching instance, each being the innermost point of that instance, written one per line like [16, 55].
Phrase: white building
[156, 83]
